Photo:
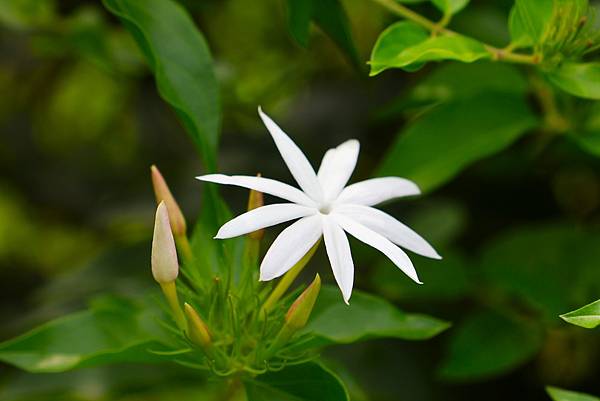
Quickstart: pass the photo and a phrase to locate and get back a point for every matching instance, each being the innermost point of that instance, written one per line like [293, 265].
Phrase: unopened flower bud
[298, 314]
[197, 330]
[296, 317]
[256, 200]
[165, 266]
[163, 193]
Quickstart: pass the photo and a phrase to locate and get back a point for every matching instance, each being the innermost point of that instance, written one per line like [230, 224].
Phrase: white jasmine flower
[325, 207]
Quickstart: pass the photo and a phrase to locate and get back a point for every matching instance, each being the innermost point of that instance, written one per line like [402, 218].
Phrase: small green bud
[197, 330]
[297, 316]
[163, 193]
[300, 311]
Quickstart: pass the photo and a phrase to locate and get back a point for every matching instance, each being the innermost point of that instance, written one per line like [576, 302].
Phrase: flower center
[325, 208]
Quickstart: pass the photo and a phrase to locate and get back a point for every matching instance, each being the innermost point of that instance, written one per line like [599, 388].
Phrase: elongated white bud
[165, 266]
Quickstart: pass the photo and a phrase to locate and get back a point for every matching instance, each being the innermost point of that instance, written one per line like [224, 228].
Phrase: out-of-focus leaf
[578, 79]
[450, 6]
[371, 317]
[529, 20]
[444, 280]
[299, 16]
[551, 268]
[488, 344]
[111, 331]
[26, 14]
[558, 394]
[455, 80]
[394, 50]
[181, 62]
[330, 16]
[450, 137]
[305, 382]
[587, 316]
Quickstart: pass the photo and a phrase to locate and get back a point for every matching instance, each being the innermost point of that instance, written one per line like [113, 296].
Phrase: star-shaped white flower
[325, 207]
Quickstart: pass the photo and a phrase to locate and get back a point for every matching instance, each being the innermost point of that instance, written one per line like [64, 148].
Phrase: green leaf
[578, 79]
[529, 21]
[404, 44]
[558, 394]
[488, 344]
[305, 382]
[179, 57]
[396, 39]
[450, 7]
[366, 317]
[450, 137]
[110, 332]
[587, 316]
[330, 16]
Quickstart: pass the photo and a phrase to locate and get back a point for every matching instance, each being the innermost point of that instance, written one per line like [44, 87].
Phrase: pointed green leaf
[305, 382]
[441, 143]
[394, 40]
[587, 316]
[578, 79]
[110, 332]
[404, 45]
[558, 394]
[366, 317]
[180, 60]
[488, 344]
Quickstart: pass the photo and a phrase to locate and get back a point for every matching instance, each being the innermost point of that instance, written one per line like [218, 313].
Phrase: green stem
[438, 28]
[409, 14]
[288, 279]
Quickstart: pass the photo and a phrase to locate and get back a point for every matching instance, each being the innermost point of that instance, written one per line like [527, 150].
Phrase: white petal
[293, 157]
[390, 228]
[290, 246]
[377, 190]
[378, 242]
[266, 185]
[338, 251]
[337, 167]
[262, 217]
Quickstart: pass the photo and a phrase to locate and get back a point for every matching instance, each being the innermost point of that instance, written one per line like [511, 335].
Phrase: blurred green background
[81, 122]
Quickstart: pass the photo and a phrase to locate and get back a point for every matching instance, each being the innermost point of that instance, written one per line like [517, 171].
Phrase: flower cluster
[253, 326]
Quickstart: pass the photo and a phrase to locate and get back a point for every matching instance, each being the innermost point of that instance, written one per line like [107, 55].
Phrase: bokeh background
[81, 122]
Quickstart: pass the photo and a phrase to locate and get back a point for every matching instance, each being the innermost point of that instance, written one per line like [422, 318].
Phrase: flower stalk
[287, 280]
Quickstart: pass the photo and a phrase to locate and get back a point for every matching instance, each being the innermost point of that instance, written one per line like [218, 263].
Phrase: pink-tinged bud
[165, 267]
[197, 330]
[298, 314]
[256, 200]
[163, 193]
